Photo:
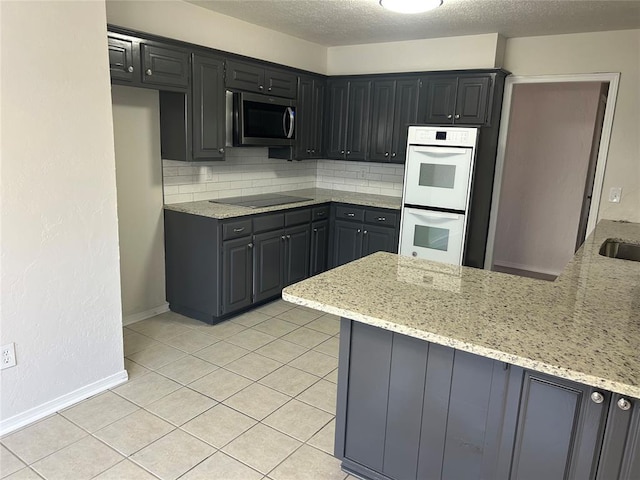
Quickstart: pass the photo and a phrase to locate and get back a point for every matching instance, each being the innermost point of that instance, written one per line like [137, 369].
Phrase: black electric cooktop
[257, 201]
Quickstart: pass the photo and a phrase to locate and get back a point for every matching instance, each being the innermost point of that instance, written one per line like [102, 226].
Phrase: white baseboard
[152, 312]
[20, 420]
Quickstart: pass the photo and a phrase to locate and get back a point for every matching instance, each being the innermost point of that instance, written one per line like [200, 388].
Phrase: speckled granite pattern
[585, 326]
[205, 208]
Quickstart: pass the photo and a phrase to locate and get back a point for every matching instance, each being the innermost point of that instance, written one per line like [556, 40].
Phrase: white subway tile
[192, 188]
[180, 198]
[204, 196]
[171, 189]
[373, 176]
[372, 190]
[170, 171]
[179, 180]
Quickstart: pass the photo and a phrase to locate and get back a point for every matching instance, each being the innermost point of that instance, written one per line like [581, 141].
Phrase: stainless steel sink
[620, 249]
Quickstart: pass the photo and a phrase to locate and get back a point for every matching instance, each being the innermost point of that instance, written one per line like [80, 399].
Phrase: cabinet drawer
[268, 222]
[297, 217]
[380, 217]
[236, 229]
[320, 213]
[345, 212]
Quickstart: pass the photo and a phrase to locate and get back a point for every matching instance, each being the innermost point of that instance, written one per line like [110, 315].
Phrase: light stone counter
[205, 208]
[585, 326]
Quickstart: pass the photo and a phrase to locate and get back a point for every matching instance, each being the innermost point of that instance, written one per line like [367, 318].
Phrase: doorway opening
[553, 144]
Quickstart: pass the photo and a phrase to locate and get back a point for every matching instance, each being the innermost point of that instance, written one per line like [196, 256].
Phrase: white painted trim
[33, 414]
[613, 79]
[152, 312]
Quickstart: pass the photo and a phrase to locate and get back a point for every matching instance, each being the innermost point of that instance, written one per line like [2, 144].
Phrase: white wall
[472, 51]
[136, 122]
[545, 169]
[190, 23]
[591, 53]
[59, 241]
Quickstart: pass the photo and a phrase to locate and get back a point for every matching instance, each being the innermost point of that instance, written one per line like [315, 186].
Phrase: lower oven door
[431, 235]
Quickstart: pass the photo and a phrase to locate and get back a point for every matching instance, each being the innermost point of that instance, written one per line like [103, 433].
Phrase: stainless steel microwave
[259, 120]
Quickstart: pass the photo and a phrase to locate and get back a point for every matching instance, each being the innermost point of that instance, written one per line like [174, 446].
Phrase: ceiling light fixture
[410, 6]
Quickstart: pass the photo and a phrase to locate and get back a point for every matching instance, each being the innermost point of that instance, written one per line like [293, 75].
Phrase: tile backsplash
[248, 171]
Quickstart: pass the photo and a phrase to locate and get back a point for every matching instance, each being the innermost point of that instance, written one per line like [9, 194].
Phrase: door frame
[613, 79]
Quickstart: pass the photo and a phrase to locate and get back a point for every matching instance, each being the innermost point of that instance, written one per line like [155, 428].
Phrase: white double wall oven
[437, 189]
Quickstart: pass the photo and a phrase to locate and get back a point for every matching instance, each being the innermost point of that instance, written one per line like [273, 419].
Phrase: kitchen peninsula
[452, 372]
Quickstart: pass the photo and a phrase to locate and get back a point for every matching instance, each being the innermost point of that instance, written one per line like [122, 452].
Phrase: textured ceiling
[352, 22]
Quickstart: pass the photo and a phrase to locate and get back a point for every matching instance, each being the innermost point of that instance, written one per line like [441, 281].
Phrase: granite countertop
[205, 208]
[585, 326]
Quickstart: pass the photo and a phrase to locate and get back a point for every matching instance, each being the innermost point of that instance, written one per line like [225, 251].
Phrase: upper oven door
[264, 120]
[438, 176]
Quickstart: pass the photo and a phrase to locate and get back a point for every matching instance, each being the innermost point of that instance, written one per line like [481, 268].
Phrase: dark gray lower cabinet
[296, 258]
[347, 239]
[319, 247]
[237, 273]
[269, 264]
[410, 409]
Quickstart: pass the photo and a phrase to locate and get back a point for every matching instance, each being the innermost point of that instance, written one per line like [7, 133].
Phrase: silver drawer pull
[238, 230]
[382, 219]
[350, 214]
[624, 404]
[597, 397]
[250, 245]
[320, 214]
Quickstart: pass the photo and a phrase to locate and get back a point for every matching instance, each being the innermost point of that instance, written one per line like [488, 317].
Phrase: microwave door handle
[288, 114]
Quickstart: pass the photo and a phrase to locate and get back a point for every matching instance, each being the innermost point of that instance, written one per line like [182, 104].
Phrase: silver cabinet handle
[221, 150]
[624, 404]
[149, 72]
[130, 69]
[238, 230]
[320, 214]
[269, 89]
[365, 232]
[341, 152]
[457, 116]
[313, 150]
[315, 230]
[348, 152]
[308, 150]
[382, 219]
[283, 238]
[386, 154]
[288, 237]
[358, 231]
[350, 214]
[597, 397]
[393, 155]
[449, 116]
[250, 245]
[260, 87]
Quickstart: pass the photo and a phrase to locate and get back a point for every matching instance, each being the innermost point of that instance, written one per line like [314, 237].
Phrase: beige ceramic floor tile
[24, 474]
[191, 341]
[321, 395]
[306, 337]
[134, 370]
[219, 425]
[325, 438]
[221, 353]
[315, 363]
[146, 389]
[9, 463]
[300, 316]
[173, 455]
[329, 347]
[130, 434]
[307, 463]
[99, 411]
[222, 467]
[332, 376]
[289, 380]
[158, 329]
[251, 318]
[181, 406]
[262, 448]
[282, 351]
[275, 308]
[328, 324]
[82, 460]
[220, 384]
[253, 366]
[257, 401]
[157, 356]
[276, 327]
[251, 339]
[187, 369]
[298, 420]
[125, 470]
[43, 438]
[224, 329]
[135, 342]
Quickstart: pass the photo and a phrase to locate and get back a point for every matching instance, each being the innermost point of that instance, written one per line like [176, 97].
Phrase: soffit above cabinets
[352, 22]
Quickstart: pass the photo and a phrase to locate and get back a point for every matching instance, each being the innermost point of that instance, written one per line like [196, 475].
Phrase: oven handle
[440, 151]
[288, 113]
[438, 217]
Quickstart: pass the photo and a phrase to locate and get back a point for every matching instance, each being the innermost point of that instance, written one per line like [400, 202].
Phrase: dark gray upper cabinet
[256, 78]
[122, 64]
[164, 66]
[309, 117]
[463, 99]
[394, 106]
[208, 107]
[348, 119]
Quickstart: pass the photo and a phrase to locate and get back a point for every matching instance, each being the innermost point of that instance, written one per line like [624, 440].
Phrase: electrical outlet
[614, 194]
[8, 356]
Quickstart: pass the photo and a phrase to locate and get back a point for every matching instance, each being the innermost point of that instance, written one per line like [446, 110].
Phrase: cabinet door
[164, 66]
[558, 431]
[319, 247]
[296, 260]
[620, 455]
[280, 83]
[358, 119]
[382, 120]
[122, 65]
[472, 100]
[379, 239]
[318, 111]
[244, 76]
[335, 134]
[441, 99]
[268, 264]
[236, 274]
[347, 242]
[208, 107]
[405, 114]
[304, 118]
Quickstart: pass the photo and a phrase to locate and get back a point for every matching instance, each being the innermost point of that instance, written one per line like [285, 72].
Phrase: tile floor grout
[148, 340]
